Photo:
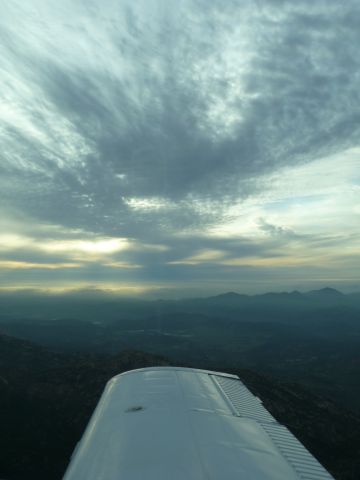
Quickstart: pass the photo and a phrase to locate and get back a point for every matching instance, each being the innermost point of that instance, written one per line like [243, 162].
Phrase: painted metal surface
[175, 423]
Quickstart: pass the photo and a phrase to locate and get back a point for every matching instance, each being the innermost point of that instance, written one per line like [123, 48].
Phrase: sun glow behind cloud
[88, 289]
[92, 247]
[15, 265]
[95, 247]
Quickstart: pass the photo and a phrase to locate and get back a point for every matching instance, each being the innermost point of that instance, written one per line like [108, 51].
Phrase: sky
[172, 148]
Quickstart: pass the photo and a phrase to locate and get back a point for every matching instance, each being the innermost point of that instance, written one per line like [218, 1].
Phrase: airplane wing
[168, 423]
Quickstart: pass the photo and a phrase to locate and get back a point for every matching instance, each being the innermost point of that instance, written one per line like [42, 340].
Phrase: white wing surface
[168, 423]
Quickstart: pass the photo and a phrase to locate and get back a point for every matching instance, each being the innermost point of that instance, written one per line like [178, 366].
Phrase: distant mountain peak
[327, 291]
[229, 296]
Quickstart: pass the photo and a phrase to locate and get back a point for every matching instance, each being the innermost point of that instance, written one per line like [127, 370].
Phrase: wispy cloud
[145, 135]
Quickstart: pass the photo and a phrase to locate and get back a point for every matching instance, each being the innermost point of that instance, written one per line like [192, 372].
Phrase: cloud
[16, 265]
[169, 125]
